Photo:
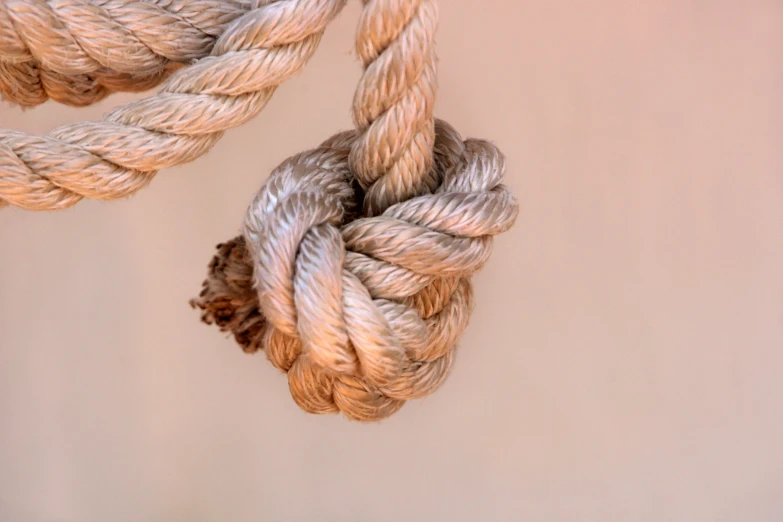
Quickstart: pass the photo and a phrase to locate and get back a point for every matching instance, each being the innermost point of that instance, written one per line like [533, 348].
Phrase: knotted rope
[116, 157]
[353, 269]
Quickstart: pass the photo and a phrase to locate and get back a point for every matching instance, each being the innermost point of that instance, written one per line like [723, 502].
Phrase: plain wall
[625, 358]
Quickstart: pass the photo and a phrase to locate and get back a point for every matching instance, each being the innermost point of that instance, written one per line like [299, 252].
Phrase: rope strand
[120, 155]
[77, 52]
[393, 105]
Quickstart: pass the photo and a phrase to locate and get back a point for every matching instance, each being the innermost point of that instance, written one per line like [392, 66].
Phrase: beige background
[625, 360]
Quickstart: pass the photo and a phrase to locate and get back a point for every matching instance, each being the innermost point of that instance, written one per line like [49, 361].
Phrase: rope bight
[353, 269]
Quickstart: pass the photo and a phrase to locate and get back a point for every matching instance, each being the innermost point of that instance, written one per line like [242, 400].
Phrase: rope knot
[362, 313]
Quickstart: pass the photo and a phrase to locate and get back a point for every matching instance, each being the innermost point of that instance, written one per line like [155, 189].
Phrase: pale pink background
[625, 360]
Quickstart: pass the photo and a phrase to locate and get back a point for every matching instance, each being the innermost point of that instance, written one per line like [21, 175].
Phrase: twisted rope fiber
[116, 157]
[353, 269]
[77, 52]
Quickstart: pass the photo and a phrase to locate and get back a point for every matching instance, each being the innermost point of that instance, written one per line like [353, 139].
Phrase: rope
[353, 270]
[77, 52]
[394, 102]
[117, 157]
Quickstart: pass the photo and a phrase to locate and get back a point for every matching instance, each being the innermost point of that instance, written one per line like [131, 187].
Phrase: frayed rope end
[228, 299]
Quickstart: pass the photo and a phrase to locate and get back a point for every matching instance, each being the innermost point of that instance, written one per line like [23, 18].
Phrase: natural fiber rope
[77, 52]
[394, 102]
[353, 271]
[120, 155]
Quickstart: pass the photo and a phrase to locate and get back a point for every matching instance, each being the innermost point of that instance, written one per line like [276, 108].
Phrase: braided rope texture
[353, 270]
[252, 48]
[77, 52]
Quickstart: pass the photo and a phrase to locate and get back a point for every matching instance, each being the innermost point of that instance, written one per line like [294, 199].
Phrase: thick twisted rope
[77, 52]
[120, 155]
[393, 105]
[353, 269]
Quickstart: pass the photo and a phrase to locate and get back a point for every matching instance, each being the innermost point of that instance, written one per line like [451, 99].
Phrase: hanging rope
[120, 155]
[353, 269]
